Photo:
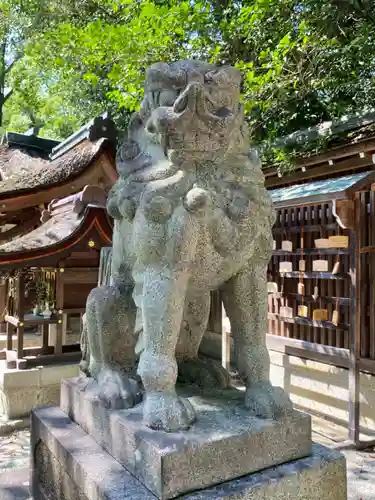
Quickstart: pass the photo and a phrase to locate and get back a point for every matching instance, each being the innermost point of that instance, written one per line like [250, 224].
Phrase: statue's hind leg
[110, 317]
[245, 300]
[200, 371]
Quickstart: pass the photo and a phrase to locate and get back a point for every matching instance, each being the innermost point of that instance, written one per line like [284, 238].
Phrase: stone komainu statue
[191, 216]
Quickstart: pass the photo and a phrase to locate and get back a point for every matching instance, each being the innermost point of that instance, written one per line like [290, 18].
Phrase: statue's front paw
[168, 412]
[117, 391]
[265, 401]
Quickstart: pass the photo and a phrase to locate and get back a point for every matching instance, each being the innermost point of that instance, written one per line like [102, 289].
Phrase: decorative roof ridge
[101, 127]
[27, 141]
[327, 129]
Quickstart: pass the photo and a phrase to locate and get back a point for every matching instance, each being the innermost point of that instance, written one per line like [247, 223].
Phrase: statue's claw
[117, 391]
[168, 412]
[265, 401]
[204, 373]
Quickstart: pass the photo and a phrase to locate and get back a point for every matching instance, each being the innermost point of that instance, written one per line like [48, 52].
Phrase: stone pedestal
[218, 447]
[227, 454]
[68, 464]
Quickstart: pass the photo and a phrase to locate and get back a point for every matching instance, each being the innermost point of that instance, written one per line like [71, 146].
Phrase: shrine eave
[56, 239]
[31, 181]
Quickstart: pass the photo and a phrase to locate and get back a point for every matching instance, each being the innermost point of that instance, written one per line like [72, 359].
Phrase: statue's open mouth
[193, 124]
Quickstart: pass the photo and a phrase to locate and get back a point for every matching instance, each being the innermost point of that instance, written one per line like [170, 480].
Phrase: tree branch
[18, 57]
[7, 95]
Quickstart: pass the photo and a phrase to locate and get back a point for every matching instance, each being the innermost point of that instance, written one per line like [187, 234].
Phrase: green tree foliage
[303, 61]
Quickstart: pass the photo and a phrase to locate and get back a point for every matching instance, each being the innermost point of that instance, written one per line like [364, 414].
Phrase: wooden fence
[322, 290]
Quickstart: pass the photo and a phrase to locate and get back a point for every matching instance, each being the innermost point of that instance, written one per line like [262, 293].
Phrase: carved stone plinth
[68, 464]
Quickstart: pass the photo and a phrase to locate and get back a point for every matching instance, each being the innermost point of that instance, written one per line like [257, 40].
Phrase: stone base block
[224, 443]
[68, 464]
[23, 390]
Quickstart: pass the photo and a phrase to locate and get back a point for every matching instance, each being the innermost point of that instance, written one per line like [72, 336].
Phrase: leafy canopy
[303, 61]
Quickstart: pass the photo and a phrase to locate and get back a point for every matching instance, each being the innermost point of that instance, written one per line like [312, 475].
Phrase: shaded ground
[14, 485]
[14, 463]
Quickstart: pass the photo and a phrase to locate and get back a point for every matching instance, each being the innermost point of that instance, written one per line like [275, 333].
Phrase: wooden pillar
[3, 302]
[10, 331]
[215, 322]
[45, 343]
[64, 327]
[59, 307]
[355, 325]
[21, 313]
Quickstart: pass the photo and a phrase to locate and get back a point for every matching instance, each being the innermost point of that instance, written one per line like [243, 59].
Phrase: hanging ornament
[287, 246]
[322, 243]
[285, 267]
[315, 295]
[338, 241]
[286, 312]
[336, 267]
[302, 262]
[336, 314]
[320, 314]
[320, 265]
[272, 287]
[303, 311]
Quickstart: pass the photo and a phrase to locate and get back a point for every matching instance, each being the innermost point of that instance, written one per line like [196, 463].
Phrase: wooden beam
[311, 251]
[344, 213]
[309, 322]
[16, 217]
[308, 228]
[318, 172]
[363, 184]
[54, 359]
[21, 229]
[82, 275]
[334, 356]
[337, 153]
[315, 275]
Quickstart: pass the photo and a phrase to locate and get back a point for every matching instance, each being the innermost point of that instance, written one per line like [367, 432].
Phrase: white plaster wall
[323, 389]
